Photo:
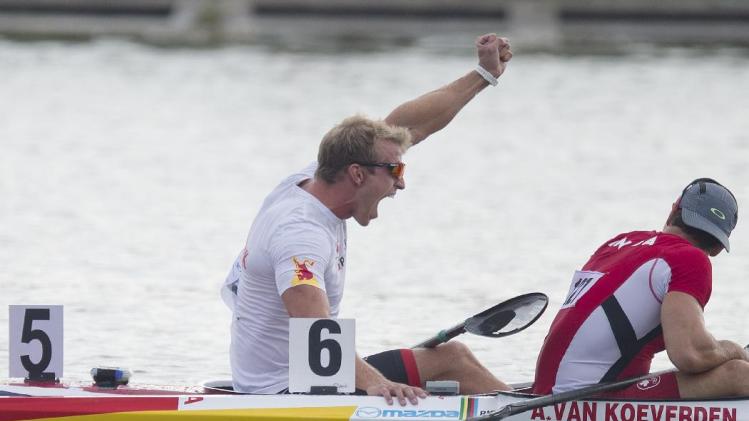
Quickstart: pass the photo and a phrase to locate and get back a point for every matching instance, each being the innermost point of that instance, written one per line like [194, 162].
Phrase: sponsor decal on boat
[373, 412]
[368, 412]
[618, 411]
[649, 383]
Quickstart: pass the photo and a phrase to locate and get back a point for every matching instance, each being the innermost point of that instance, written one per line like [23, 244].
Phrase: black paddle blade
[508, 317]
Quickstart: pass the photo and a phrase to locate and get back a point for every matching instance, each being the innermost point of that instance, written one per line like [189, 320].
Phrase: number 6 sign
[321, 353]
[35, 342]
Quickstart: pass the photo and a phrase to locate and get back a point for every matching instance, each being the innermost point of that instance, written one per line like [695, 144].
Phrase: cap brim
[695, 220]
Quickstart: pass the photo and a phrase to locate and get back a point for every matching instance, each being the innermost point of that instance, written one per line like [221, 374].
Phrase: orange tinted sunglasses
[396, 169]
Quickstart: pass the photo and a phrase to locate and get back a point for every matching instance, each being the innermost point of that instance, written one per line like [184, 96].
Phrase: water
[129, 176]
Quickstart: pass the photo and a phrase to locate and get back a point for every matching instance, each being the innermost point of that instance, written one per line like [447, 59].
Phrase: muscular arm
[310, 301]
[434, 110]
[690, 347]
[306, 301]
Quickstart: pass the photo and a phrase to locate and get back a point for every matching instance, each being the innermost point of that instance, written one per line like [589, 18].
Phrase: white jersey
[294, 240]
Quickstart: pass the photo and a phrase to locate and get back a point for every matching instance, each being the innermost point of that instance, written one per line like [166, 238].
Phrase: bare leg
[728, 379]
[454, 361]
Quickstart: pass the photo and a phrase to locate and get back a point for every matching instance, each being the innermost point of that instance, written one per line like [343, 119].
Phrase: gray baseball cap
[708, 206]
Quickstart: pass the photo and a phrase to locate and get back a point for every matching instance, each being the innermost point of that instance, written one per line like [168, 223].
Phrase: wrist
[367, 376]
[486, 75]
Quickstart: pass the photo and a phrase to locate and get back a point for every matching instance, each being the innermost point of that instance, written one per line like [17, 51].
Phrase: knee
[736, 369]
[736, 373]
[456, 351]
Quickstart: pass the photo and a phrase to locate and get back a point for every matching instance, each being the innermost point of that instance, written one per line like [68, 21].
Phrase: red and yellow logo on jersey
[302, 274]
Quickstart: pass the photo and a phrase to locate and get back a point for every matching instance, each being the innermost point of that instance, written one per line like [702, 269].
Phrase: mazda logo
[368, 412]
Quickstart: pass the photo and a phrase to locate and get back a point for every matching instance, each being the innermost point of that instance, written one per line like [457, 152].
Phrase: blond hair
[353, 141]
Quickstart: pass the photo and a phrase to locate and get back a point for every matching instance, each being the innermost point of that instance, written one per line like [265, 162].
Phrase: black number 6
[316, 346]
[29, 334]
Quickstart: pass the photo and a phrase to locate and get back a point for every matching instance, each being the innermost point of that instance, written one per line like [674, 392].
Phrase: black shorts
[398, 365]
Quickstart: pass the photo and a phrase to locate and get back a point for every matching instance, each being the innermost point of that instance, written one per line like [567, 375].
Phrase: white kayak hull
[63, 402]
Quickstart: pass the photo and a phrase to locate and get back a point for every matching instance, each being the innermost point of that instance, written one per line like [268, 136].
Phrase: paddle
[506, 318]
[571, 395]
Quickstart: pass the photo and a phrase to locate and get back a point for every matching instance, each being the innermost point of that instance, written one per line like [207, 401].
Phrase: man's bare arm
[434, 110]
[310, 301]
[690, 347]
[306, 301]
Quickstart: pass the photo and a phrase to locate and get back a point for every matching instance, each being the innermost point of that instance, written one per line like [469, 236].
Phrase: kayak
[63, 401]
[111, 397]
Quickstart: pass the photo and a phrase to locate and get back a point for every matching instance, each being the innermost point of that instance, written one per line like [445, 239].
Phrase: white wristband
[487, 76]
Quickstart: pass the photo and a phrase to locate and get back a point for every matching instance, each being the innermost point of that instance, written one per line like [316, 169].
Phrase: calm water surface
[129, 177]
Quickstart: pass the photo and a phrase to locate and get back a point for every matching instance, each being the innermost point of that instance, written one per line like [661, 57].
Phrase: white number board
[321, 353]
[35, 349]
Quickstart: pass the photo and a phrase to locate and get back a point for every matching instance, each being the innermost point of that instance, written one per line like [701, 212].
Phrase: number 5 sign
[35, 342]
[321, 353]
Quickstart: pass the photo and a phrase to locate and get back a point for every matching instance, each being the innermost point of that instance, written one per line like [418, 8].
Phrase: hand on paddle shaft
[504, 319]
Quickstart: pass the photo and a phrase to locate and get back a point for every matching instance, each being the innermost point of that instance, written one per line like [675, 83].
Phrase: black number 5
[316, 346]
[29, 334]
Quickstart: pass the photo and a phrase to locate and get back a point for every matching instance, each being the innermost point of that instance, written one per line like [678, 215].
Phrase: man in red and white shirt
[642, 292]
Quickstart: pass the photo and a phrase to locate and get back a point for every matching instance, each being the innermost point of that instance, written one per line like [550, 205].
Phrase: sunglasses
[395, 169]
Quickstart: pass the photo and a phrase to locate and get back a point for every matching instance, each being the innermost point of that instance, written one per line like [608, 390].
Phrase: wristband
[487, 76]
